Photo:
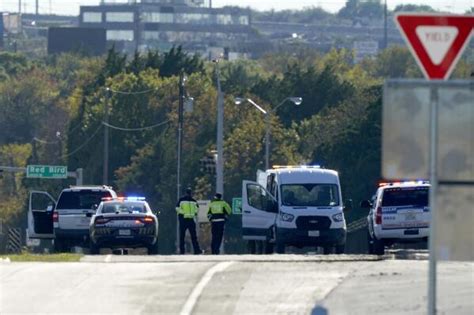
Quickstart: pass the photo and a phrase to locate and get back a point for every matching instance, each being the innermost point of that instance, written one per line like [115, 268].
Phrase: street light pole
[220, 136]
[105, 175]
[179, 149]
[295, 100]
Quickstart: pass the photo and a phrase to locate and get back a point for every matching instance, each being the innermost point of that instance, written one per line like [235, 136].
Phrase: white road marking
[108, 258]
[194, 296]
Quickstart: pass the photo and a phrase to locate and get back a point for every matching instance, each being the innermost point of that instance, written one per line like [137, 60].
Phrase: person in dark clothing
[187, 209]
[218, 212]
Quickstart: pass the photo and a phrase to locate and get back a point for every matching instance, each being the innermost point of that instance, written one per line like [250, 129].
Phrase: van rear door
[40, 215]
[259, 211]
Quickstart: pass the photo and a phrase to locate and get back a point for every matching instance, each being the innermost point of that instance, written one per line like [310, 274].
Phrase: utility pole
[220, 136]
[385, 30]
[105, 178]
[180, 147]
[19, 7]
[37, 7]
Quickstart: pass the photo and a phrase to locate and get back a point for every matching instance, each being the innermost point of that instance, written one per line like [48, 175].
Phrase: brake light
[148, 220]
[55, 216]
[101, 220]
[378, 215]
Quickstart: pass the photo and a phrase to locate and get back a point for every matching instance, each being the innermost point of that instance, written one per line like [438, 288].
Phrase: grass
[29, 257]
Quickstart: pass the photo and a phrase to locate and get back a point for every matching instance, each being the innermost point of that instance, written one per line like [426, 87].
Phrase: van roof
[301, 174]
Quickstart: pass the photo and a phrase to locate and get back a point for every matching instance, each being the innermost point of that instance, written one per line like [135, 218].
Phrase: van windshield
[409, 196]
[310, 195]
[83, 199]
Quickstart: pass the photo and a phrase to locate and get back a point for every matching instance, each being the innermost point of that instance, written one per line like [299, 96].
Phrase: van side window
[257, 197]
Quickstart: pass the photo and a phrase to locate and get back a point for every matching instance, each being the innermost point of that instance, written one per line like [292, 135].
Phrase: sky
[72, 7]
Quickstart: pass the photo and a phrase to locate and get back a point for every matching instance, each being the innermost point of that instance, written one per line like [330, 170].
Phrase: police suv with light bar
[124, 223]
[399, 213]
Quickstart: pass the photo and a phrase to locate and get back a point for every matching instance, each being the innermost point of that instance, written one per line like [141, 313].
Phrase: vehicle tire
[340, 249]
[379, 247]
[370, 244]
[280, 247]
[327, 250]
[252, 247]
[153, 249]
[93, 248]
[59, 245]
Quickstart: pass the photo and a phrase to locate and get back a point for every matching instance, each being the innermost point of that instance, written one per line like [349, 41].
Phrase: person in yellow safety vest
[218, 212]
[187, 209]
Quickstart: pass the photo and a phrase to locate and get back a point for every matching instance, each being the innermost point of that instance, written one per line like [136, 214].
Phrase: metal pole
[220, 136]
[19, 7]
[79, 176]
[105, 177]
[267, 141]
[180, 145]
[37, 7]
[432, 196]
[385, 34]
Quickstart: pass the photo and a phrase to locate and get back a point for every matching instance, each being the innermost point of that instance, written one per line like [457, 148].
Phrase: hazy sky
[72, 7]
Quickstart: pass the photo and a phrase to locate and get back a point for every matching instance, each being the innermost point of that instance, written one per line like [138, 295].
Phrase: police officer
[218, 212]
[187, 208]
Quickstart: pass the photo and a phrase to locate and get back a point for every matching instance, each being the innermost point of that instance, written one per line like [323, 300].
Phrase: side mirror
[347, 205]
[50, 207]
[156, 212]
[365, 204]
[94, 207]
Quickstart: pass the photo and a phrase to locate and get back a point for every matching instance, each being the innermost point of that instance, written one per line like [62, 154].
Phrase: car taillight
[55, 216]
[148, 220]
[378, 215]
[101, 220]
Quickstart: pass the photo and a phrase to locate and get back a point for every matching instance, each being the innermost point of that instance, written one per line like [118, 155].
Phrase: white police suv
[399, 213]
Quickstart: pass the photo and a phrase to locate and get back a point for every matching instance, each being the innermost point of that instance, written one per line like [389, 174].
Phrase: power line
[83, 144]
[135, 129]
[131, 92]
[45, 141]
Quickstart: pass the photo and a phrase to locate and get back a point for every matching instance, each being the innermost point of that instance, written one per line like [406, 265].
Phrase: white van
[294, 205]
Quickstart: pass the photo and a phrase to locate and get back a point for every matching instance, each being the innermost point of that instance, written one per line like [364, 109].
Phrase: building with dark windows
[160, 24]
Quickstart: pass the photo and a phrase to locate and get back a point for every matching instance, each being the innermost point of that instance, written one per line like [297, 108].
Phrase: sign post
[437, 42]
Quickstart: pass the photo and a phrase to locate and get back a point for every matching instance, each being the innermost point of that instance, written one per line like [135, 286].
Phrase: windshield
[121, 207]
[410, 196]
[310, 195]
[83, 199]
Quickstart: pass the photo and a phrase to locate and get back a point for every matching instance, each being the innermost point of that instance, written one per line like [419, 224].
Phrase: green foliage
[307, 15]
[413, 8]
[12, 64]
[356, 8]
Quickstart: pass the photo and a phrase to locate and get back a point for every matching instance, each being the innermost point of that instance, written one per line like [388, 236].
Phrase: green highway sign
[236, 205]
[46, 171]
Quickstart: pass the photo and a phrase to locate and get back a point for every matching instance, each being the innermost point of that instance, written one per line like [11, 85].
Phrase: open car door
[40, 215]
[259, 211]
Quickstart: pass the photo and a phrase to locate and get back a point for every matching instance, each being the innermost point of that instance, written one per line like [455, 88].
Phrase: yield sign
[436, 41]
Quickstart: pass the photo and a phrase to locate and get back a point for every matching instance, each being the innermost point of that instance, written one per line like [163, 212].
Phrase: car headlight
[338, 217]
[286, 217]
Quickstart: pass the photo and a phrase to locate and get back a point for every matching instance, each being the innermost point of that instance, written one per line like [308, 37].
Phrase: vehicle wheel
[59, 245]
[252, 247]
[379, 247]
[340, 249]
[153, 249]
[327, 250]
[280, 247]
[370, 244]
[93, 248]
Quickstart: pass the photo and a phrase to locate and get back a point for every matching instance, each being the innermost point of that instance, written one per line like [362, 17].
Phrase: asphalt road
[268, 284]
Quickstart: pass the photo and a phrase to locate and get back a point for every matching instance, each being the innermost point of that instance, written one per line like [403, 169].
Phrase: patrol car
[399, 213]
[296, 205]
[124, 223]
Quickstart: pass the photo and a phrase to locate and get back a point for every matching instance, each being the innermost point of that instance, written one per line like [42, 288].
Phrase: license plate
[124, 232]
[412, 232]
[410, 216]
[85, 221]
[313, 233]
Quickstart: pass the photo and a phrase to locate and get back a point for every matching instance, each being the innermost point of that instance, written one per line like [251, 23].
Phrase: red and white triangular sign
[436, 41]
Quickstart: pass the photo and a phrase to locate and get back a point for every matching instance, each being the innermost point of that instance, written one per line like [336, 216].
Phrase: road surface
[266, 284]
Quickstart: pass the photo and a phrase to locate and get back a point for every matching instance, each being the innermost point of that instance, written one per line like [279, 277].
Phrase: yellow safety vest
[188, 209]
